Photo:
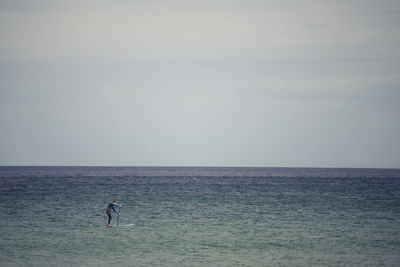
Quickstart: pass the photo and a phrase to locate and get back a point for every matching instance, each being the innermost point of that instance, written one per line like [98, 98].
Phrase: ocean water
[171, 216]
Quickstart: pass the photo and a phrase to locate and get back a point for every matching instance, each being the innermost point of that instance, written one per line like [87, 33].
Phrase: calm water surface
[55, 216]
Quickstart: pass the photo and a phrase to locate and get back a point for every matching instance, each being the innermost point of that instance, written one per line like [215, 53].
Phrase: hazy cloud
[256, 83]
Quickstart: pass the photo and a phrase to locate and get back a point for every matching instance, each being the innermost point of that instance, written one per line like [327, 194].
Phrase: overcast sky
[200, 83]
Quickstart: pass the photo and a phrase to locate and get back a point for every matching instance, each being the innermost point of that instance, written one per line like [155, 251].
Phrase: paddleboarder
[110, 207]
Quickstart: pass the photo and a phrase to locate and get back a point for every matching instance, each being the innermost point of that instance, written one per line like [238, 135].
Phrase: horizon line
[202, 166]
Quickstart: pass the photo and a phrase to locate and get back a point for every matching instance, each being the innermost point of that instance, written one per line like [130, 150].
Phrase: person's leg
[109, 218]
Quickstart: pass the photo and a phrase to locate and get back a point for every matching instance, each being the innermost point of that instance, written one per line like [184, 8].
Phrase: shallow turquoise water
[200, 216]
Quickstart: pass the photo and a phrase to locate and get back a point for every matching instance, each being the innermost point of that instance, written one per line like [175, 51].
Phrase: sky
[263, 83]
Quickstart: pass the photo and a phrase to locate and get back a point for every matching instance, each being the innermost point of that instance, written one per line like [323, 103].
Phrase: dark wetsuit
[111, 206]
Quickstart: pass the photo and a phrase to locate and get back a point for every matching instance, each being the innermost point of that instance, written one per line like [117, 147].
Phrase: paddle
[119, 208]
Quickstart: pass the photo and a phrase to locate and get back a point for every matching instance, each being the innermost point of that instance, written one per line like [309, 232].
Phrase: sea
[199, 216]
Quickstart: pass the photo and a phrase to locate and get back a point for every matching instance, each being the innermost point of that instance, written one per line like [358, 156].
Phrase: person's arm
[113, 205]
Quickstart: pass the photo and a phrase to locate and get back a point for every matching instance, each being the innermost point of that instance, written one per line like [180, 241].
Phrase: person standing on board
[111, 207]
